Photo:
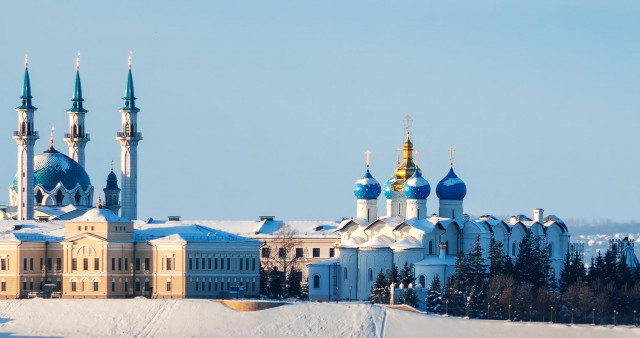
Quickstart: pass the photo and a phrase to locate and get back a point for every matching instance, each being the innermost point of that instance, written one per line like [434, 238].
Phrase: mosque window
[39, 197]
[370, 275]
[430, 247]
[423, 281]
[316, 282]
[59, 197]
[77, 197]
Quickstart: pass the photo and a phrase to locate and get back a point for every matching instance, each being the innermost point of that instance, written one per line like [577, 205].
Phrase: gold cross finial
[407, 124]
[368, 152]
[417, 154]
[130, 52]
[451, 150]
[399, 150]
[78, 62]
[26, 59]
[51, 138]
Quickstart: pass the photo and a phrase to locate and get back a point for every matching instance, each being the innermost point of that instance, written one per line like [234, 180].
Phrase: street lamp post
[572, 315]
[446, 313]
[530, 310]
[551, 315]
[510, 312]
[615, 313]
[594, 317]
[488, 311]
[634, 318]
[468, 300]
[426, 304]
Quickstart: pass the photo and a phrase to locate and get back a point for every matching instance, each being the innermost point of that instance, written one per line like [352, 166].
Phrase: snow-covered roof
[352, 242]
[380, 241]
[326, 262]
[435, 260]
[180, 231]
[99, 215]
[407, 243]
[424, 225]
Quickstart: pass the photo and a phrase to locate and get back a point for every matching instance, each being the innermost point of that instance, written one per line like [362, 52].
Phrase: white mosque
[406, 233]
[52, 185]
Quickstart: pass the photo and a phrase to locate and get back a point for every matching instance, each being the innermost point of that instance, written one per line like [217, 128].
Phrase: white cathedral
[52, 185]
[406, 233]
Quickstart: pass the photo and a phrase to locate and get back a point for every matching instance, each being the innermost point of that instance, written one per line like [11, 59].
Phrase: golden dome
[406, 168]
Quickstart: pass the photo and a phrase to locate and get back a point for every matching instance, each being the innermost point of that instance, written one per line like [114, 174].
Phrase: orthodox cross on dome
[451, 150]
[130, 52]
[399, 150]
[78, 62]
[111, 165]
[407, 124]
[368, 153]
[417, 152]
[51, 138]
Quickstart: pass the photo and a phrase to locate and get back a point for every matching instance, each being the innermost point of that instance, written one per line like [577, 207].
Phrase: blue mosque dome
[53, 167]
[416, 187]
[367, 188]
[388, 188]
[451, 187]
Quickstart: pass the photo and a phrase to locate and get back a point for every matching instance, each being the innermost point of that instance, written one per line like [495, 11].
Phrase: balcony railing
[76, 136]
[120, 134]
[17, 133]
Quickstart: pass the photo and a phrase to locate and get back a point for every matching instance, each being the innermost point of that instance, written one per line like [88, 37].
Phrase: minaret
[26, 138]
[112, 192]
[129, 138]
[77, 138]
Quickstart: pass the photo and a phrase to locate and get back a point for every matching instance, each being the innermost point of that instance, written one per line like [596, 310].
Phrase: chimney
[538, 215]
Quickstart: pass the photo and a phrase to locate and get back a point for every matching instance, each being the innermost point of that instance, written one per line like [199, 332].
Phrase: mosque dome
[451, 187]
[388, 187]
[367, 188]
[52, 167]
[416, 187]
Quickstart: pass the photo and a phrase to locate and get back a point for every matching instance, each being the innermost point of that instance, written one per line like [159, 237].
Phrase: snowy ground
[202, 318]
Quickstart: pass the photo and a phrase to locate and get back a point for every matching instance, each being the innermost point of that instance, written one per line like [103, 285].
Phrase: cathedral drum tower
[26, 138]
[129, 138]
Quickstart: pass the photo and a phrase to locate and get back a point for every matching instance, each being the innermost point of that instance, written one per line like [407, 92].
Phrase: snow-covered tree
[434, 296]
[380, 290]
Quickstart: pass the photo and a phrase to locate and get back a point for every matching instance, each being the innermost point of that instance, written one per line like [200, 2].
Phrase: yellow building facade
[100, 255]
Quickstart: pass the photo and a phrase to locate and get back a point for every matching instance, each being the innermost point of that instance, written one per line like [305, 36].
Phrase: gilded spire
[368, 153]
[451, 150]
[51, 138]
[77, 91]
[129, 98]
[26, 87]
[407, 167]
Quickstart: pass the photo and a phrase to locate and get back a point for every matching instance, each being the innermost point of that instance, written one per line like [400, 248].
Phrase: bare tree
[282, 249]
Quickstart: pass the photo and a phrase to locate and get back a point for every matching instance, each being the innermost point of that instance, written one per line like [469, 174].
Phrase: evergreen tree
[293, 287]
[508, 265]
[434, 296]
[476, 265]
[542, 263]
[455, 299]
[409, 297]
[407, 276]
[596, 270]
[476, 299]
[275, 284]
[304, 291]
[380, 290]
[572, 271]
[393, 276]
[497, 258]
[264, 282]
[460, 279]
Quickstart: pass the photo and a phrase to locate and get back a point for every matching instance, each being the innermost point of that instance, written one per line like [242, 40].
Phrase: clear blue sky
[266, 107]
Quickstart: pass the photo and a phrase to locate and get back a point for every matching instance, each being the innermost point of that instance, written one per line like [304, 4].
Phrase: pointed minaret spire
[129, 138]
[77, 138]
[25, 137]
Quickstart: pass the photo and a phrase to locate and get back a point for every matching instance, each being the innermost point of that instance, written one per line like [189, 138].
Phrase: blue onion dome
[388, 187]
[416, 187]
[367, 188]
[52, 167]
[451, 187]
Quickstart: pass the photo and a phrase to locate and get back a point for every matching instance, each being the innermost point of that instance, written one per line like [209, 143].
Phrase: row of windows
[282, 252]
[212, 263]
[28, 264]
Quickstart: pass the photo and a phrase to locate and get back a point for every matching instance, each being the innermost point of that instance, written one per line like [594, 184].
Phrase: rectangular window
[299, 253]
[58, 264]
[215, 263]
[3, 286]
[73, 286]
[41, 264]
[197, 286]
[95, 286]
[228, 286]
[266, 252]
[3, 264]
[74, 264]
[169, 264]
[203, 266]
[146, 286]
[31, 264]
[253, 264]
[209, 263]
[228, 263]
[59, 285]
[49, 264]
[332, 252]
[168, 285]
[137, 264]
[126, 286]
[126, 264]
[240, 260]
[316, 252]
[137, 286]
[85, 264]
[190, 263]
[113, 286]
[246, 262]
[113, 263]
[197, 264]
[282, 252]
[25, 266]
[215, 286]
[96, 264]
[120, 264]
[209, 286]
[24, 285]
[147, 264]
[222, 263]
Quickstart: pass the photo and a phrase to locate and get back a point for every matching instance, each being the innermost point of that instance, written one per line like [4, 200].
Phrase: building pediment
[86, 235]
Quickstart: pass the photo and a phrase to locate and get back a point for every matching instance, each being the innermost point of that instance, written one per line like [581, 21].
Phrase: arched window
[59, 197]
[423, 281]
[316, 282]
[77, 197]
[75, 131]
[430, 247]
[370, 275]
[345, 274]
[513, 249]
[39, 197]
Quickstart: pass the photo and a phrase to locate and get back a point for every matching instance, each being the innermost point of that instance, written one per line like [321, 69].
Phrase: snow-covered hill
[203, 318]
